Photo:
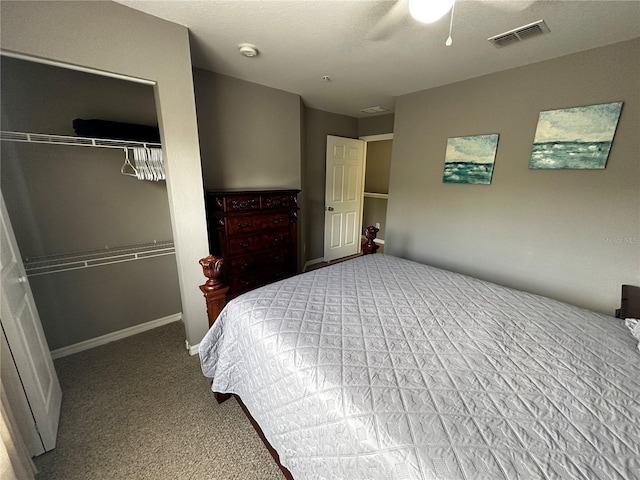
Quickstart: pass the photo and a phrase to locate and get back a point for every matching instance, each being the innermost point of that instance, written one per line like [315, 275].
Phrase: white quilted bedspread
[382, 368]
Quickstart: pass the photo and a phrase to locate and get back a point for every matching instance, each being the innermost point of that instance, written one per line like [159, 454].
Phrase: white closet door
[27, 343]
[12, 392]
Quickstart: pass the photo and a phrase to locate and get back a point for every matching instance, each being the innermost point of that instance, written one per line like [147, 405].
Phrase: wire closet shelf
[91, 258]
[94, 258]
[71, 140]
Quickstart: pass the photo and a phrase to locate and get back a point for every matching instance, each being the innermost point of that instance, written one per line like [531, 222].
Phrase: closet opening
[376, 184]
[95, 239]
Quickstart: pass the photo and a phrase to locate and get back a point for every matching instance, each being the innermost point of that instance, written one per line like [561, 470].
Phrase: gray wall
[376, 178]
[567, 234]
[83, 304]
[318, 124]
[64, 199]
[376, 125]
[249, 134]
[108, 37]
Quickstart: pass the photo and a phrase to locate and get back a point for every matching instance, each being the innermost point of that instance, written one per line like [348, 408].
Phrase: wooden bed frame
[629, 302]
[215, 291]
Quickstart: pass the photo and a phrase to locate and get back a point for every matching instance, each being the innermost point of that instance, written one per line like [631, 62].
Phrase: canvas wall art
[575, 138]
[470, 159]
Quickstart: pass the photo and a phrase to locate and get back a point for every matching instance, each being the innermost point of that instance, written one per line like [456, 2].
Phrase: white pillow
[633, 324]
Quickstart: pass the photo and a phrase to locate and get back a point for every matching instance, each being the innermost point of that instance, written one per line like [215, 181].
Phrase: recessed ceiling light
[248, 50]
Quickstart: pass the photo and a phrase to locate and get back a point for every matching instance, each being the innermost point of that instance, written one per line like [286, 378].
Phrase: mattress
[383, 368]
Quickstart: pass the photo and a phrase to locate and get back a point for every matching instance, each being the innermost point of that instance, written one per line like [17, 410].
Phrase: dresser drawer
[257, 261]
[255, 243]
[277, 201]
[242, 283]
[237, 203]
[240, 224]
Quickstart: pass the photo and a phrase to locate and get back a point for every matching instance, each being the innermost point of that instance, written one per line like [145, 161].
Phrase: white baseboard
[312, 262]
[110, 337]
[193, 349]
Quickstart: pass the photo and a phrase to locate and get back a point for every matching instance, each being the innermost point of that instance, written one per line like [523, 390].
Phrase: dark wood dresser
[255, 231]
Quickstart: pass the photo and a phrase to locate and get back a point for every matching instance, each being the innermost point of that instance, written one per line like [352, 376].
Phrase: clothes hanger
[141, 161]
[154, 164]
[160, 163]
[127, 163]
[153, 170]
[157, 166]
[148, 164]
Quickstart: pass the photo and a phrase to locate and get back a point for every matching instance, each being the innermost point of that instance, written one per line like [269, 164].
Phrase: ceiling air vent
[518, 34]
[377, 109]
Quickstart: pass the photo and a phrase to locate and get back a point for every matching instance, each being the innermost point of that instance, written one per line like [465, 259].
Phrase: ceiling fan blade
[391, 21]
[513, 5]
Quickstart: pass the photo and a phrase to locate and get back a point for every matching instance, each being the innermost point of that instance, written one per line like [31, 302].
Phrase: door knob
[330, 209]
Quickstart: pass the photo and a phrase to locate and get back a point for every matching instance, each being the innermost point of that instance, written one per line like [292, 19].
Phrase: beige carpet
[140, 408]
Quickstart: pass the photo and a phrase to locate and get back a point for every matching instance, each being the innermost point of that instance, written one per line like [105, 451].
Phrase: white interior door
[343, 197]
[25, 338]
[12, 393]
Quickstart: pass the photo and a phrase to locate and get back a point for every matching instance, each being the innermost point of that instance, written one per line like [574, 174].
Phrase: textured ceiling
[373, 51]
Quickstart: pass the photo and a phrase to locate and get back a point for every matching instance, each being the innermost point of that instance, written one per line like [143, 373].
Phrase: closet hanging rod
[71, 140]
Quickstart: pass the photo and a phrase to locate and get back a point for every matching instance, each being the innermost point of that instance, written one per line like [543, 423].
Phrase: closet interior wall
[64, 199]
[376, 185]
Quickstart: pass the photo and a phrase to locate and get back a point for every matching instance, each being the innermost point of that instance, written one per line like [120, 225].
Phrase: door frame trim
[377, 138]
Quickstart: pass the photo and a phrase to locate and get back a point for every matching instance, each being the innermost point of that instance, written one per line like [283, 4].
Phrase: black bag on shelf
[116, 130]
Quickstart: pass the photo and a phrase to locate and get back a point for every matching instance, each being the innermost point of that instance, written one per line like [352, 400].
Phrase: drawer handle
[277, 239]
[277, 220]
[241, 204]
[243, 224]
[245, 244]
[276, 202]
[243, 264]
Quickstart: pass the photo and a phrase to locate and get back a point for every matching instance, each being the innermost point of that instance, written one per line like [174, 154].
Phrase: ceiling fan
[426, 11]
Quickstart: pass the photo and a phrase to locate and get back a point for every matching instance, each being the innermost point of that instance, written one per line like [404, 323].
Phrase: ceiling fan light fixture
[428, 11]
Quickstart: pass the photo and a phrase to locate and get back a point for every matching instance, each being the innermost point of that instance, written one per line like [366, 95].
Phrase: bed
[383, 368]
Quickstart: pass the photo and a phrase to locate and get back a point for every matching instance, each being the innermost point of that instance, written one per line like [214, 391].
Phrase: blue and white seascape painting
[575, 138]
[470, 159]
